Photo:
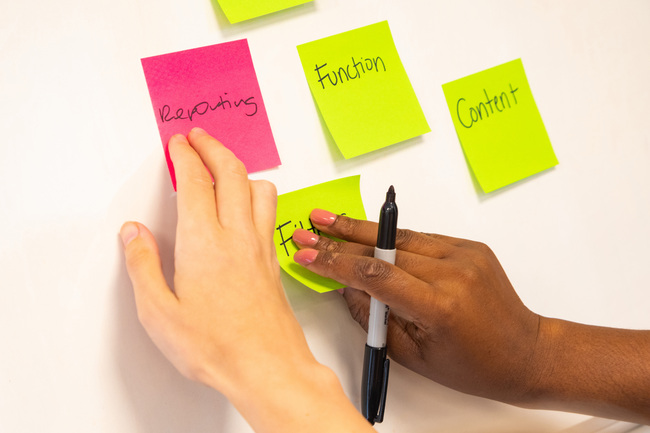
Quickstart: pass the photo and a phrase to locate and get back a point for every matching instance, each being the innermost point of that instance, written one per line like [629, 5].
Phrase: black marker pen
[375, 364]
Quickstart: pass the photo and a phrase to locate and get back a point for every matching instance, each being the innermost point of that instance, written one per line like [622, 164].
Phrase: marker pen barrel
[375, 364]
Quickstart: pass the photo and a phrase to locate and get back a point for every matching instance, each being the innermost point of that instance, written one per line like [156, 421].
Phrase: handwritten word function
[167, 114]
[481, 110]
[351, 71]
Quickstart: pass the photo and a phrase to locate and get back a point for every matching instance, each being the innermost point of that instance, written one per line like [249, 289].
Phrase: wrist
[296, 396]
[559, 368]
[540, 367]
[592, 370]
[264, 380]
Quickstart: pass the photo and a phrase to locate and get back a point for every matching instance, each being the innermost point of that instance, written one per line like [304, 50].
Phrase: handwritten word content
[482, 110]
[499, 126]
[167, 114]
[351, 71]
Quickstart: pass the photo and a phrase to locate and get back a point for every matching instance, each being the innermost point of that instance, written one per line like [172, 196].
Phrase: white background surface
[80, 154]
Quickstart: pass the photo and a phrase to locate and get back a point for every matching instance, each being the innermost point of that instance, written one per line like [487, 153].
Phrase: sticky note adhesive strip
[341, 196]
[499, 126]
[362, 90]
[215, 88]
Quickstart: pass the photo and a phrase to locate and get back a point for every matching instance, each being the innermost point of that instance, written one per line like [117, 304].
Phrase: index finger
[231, 185]
[409, 296]
[365, 232]
[196, 203]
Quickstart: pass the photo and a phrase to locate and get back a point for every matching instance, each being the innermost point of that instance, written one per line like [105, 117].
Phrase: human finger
[264, 200]
[231, 186]
[402, 336]
[415, 264]
[308, 239]
[365, 232]
[408, 295]
[195, 193]
[359, 305]
[152, 294]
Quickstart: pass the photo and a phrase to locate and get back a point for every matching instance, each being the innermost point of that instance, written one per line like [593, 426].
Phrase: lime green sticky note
[241, 10]
[340, 196]
[362, 90]
[499, 126]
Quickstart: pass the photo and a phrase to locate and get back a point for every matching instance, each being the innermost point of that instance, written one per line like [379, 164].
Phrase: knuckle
[200, 179]
[470, 273]
[446, 316]
[463, 274]
[329, 245]
[481, 255]
[267, 186]
[411, 264]
[235, 167]
[264, 190]
[327, 259]
[405, 237]
[345, 226]
[482, 248]
[373, 271]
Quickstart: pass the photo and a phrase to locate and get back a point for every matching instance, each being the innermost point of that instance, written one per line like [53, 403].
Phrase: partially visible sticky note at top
[362, 90]
[341, 196]
[215, 88]
[240, 10]
[499, 125]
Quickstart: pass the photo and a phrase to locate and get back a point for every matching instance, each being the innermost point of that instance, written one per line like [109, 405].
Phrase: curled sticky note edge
[362, 90]
[242, 10]
[341, 196]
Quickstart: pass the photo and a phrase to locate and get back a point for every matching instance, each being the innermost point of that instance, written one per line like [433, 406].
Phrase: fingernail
[305, 257]
[305, 237]
[322, 217]
[128, 232]
[178, 138]
[198, 131]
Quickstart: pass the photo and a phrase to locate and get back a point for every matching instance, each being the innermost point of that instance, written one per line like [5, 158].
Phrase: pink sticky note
[215, 88]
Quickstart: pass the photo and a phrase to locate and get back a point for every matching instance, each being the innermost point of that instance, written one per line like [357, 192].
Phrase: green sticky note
[499, 126]
[340, 196]
[241, 10]
[362, 90]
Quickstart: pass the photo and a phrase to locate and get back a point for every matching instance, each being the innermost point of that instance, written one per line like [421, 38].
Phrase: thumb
[152, 293]
[359, 305]
[400, 342]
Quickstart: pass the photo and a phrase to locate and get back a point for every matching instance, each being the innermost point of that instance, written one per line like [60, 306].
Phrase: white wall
[81, 154]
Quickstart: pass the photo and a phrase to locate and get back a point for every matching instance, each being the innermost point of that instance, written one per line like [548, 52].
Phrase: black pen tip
[390, 195]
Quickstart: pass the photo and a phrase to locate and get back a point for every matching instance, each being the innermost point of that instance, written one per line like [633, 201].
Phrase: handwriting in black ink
[283, 241]
[476, 113]
[167, 114]
[363, 66]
